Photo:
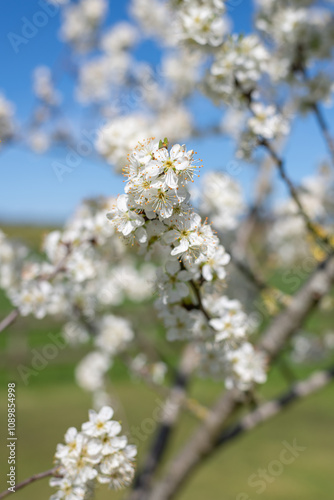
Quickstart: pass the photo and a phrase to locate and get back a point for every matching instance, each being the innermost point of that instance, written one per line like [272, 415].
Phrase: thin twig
[32, 479]
[8, 320]
[269, 409]
[199, 299]
[322, 240]
[321, 120]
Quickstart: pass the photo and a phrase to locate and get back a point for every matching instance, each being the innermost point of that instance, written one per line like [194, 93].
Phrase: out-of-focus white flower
[267, 122]
[298, 34]
[238, 66]
[221, 200]
[121, 135]
[74, 333]
[98, 77]
[116, 139]
[81, 20]
[91, 371]
[58, 2]
[39, 141]
[159, 371]
[181, 69]
[151, 16]
[43, 86]
[80, 267]
[122, 36]
[36, 297]
[311, 348]
[248, 367]
[229, 321]
[114, 334]
[97, 453]
[201, 22]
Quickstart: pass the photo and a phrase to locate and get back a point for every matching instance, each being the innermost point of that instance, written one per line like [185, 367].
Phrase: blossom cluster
[155, 213]
[81, 20]
[201, 21]
[193, 22]
[248, 72]
[122, 134]
[85, 271]
[221, 200]
[301, 33]
[77, 273]
[96, 454]
[238, 66]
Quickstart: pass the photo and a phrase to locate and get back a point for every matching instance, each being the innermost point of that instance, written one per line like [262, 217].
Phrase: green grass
[51, 403]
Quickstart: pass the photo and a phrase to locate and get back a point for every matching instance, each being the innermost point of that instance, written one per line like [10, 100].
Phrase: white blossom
[97, 453]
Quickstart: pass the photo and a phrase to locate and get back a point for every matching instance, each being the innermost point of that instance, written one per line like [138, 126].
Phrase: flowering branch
[284, 325]
[263, 141]
[323, 240]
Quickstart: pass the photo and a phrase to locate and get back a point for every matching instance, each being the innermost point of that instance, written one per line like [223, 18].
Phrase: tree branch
[299, 390]
[321, 120]
[321, 239]
[203, 441]
[324, 241]
[301, 304]
[197, 448]
[8, 320]
[199, 299]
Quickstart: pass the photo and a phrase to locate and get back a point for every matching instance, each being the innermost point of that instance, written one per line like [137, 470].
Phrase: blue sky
[29, 189]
